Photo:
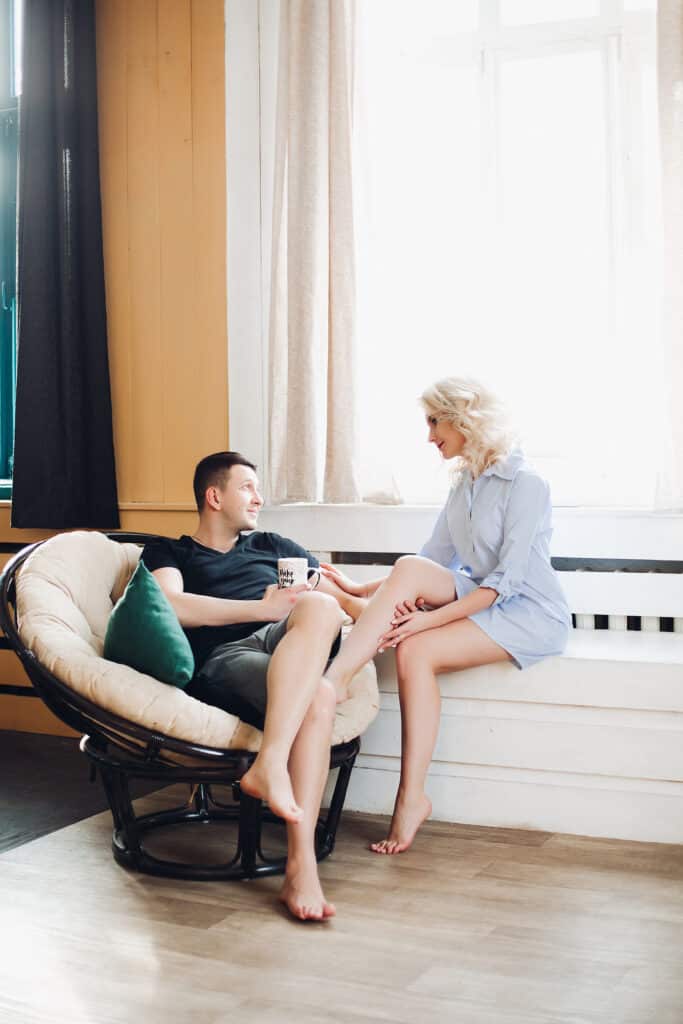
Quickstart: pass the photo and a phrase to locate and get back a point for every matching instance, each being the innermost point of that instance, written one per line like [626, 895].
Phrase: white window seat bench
[589, 743]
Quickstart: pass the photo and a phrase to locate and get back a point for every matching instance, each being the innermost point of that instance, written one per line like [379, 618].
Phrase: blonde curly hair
[477, 414]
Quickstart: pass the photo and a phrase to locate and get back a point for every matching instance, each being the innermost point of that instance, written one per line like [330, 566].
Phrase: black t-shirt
[241, 574]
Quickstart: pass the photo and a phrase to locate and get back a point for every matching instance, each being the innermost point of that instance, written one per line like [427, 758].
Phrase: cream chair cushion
[66, 590]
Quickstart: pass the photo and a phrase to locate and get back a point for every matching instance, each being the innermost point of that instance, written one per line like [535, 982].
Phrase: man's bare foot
[275, 787]
[407, 818]
[302, 893]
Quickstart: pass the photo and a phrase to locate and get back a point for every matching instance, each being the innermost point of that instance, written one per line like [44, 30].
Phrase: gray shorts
[234, 676]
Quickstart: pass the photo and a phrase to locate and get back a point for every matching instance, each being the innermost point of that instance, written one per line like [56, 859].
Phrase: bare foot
[302, 893]
[341, 689]
[407, 818]
[275, 787]
[355, 606]
[342, 692]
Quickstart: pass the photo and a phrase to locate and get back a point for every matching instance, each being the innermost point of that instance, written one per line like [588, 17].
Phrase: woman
[481, 590]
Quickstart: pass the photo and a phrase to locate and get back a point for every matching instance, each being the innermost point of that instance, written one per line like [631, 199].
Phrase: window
[10, 87]
[511, 232]
[462, 56]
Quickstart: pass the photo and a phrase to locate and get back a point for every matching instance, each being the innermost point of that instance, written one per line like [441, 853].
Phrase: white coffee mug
[293, 571]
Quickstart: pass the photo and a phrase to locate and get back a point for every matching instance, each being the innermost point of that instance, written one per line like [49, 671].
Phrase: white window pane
[524, 12]
[411, 20]
[553, 244]
[422, 241]
[512, 234]
[640, 5]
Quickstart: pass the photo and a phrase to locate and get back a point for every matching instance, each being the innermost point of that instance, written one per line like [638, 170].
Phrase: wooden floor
[472, 926]
[45, 786]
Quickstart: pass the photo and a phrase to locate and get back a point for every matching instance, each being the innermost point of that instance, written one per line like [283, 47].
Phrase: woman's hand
[407, 607]
[404, 625]
[349, 586]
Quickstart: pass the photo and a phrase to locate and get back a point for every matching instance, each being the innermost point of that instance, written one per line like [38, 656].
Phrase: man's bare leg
[411, 577]
[308, 768]
[294, 677]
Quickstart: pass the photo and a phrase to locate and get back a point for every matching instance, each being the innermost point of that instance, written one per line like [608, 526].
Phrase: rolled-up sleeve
[440, 547]
[526, 511]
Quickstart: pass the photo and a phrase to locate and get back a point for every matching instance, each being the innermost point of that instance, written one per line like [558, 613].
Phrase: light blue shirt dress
[495, 532]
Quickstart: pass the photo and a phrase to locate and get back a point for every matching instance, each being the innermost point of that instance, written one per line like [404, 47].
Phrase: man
[260, 652]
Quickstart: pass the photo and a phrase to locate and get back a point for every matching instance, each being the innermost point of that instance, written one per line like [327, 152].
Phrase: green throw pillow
[144, 632]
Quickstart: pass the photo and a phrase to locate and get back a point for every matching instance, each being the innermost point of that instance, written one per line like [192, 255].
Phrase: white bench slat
[649, 594]
[624, 593]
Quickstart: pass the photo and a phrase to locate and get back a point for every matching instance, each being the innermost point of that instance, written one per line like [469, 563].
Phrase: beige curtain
[670, 65]
[312, 315]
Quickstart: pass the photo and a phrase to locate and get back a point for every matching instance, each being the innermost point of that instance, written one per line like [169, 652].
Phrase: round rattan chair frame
[120, 750]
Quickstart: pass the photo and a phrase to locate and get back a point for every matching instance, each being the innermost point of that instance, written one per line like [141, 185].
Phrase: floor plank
[472, 925]
[45, 786]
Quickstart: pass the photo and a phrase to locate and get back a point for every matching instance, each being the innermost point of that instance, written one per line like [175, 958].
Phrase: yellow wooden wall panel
[177, 229]
[209, 342]
[12, 535]
[11, 672]
[29, 714]
[168, 522]
[112, 96]
[170, 366]
[144, 249]
[23, 714]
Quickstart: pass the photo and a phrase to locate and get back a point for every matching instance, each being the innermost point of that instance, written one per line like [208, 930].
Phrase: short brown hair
[213, 470]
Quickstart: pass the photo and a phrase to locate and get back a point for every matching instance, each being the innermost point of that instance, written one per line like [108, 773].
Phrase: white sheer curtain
[312, 440]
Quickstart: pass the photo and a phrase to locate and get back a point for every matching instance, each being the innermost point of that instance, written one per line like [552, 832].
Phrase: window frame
[9, 144]
[251, 62]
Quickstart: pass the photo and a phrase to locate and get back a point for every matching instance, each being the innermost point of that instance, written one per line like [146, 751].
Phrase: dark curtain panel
[64, 472]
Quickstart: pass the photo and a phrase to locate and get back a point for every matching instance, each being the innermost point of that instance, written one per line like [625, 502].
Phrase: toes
[387, 846]
[313, 913]
[308, 911]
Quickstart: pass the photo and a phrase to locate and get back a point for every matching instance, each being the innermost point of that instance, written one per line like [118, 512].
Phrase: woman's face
[445, 436]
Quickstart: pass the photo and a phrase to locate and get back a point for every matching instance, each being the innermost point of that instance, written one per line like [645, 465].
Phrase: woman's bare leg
[411, 577]
[353, 606]
[456, 646]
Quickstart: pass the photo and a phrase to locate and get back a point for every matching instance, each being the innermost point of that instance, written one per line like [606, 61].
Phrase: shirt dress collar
[507, 466]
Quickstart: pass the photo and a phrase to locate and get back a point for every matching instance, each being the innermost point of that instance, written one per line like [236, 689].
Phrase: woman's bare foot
[341, 688]
[355, 606]
[342, 692]
[407, 818]
[273, 785]
[302, 893]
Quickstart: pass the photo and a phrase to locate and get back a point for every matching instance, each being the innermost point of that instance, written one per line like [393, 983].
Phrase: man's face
[239, 500]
